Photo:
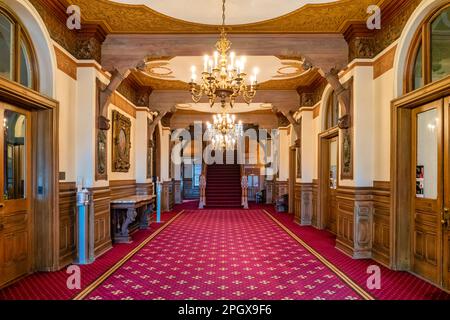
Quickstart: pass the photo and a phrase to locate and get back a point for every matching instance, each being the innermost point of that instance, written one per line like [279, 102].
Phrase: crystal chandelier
[224, 132]
[223, 75]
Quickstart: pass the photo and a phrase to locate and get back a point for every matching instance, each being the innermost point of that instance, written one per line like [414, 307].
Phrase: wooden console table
[124, 213]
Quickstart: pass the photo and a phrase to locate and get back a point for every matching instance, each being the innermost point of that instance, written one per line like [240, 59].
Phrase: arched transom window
[430, 55]
[332, 113]
[16, 53]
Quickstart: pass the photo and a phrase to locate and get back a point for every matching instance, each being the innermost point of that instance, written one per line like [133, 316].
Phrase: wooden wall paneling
[122, 188]
[298, 203]
[102, 223]
[167, 199]
[67, 222]
[189, 191]
[270, 196]
[381, 228]
[315, 200]
[345, 224]
[144, 188]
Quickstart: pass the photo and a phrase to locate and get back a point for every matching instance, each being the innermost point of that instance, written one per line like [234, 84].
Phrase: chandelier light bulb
[205, 63]
[216, 59]
[232, 57]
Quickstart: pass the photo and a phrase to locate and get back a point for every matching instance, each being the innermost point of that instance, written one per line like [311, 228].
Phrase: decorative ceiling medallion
[159, 70]
[291, 69]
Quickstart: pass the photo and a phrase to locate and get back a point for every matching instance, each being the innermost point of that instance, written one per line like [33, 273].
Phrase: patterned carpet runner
[224, 254]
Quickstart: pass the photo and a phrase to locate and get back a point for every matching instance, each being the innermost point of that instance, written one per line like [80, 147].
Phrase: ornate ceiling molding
[319, 18]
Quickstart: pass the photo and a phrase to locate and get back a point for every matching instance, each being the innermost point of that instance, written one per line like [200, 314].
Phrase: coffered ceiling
[169, 16]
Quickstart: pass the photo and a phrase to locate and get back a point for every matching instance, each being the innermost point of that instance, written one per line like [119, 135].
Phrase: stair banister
[244, 186]
[203, 182]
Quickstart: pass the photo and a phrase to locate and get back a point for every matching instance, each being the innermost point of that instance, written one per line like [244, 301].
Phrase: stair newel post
[244, 186]
[202, 202]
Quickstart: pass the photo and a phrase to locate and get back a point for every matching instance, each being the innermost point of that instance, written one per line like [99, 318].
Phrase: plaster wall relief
[121, 139]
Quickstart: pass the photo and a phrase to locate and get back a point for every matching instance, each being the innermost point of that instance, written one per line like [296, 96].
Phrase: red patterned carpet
[224, 254]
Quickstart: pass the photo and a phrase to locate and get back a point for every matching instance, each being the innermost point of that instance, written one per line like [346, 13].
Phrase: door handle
[2, 205]
[445, 217]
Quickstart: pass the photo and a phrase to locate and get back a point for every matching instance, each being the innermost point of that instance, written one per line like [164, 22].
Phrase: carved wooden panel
[363, 229]
[121, 135]
[307, 204]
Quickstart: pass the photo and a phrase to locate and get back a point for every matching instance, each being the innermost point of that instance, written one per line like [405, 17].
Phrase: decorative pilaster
[306, 204]
[355, 221]
[363, 222]
[303, 204]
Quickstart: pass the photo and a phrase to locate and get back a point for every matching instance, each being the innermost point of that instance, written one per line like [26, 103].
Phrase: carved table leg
[145, 217]
[124, 235]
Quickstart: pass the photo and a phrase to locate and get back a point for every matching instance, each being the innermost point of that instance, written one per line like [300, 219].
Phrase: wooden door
[427, 190]
[333, 150]
[445, 215]
[15, 184]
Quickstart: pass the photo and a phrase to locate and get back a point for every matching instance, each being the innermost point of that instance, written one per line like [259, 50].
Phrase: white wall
[84, 115]
[283, 150]
[66, 94]
[140, 149]
[165, 149]
[364, 129]
[383, 95]
[308, 145]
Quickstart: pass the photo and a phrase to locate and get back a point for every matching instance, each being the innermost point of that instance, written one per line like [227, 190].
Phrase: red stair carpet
[223, 186]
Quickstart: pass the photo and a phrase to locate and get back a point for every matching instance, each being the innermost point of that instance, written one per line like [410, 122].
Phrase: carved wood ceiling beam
[343, 96]
[324, 51]
[164, 100]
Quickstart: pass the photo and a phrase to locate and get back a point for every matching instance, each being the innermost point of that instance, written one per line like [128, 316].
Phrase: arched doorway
[329, 165]
[28, 146]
